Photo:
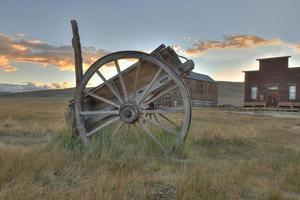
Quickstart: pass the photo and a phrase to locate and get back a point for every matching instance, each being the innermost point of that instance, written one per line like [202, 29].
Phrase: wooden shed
[273, 85]
[203, 90]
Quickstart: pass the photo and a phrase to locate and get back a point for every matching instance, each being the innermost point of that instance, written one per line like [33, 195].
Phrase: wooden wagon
[128, 89]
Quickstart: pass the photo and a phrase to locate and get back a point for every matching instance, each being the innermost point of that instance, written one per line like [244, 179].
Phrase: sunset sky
[224, 38]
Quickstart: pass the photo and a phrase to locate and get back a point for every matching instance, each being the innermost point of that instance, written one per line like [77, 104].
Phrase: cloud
[33, 86]
[37, 85]
[5, 66]
[230, 41]
[227, 58]
[297, 48]
[19, 48]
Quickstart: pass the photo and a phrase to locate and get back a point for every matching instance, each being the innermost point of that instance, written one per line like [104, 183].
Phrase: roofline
[272, 58]
[251, 71]
[211, 81]
[289, 68]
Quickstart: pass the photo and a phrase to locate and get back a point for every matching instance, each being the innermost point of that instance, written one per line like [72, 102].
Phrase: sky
[223, 38]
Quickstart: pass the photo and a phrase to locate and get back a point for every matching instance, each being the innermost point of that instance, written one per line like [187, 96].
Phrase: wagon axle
[129, 112]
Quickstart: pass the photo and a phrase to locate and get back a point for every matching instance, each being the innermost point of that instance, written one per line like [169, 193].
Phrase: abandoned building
[203, 90]
[273, 85]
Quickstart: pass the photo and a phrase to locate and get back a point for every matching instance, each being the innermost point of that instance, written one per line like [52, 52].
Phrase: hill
[43, 94]
[4, 93]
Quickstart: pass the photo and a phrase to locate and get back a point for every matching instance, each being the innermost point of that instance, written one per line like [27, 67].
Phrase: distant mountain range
[2, 93]
[13, 88]
[229, 93]
[51, 94]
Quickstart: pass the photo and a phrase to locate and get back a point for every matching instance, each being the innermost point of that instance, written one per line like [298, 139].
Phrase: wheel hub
[129, 112]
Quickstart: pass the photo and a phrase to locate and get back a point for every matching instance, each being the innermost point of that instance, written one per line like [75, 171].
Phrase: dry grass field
[226, 156]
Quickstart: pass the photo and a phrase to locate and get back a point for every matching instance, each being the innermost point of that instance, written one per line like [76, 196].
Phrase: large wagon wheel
[132, 103]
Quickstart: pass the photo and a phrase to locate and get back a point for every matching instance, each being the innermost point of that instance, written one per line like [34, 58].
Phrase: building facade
[273, 85]
[202, 88]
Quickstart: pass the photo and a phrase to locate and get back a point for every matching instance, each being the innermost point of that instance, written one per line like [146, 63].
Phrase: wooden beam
[77, 52]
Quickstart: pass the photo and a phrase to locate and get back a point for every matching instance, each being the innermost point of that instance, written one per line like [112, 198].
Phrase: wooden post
[77, 52]
[78, 71]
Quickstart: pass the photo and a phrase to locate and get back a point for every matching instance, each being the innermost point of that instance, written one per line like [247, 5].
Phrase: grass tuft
[220, 147]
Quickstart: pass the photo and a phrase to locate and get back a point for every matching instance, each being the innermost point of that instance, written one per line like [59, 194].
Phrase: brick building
[273, 85]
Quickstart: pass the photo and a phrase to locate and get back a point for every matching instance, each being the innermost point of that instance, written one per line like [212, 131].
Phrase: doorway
[272, 98]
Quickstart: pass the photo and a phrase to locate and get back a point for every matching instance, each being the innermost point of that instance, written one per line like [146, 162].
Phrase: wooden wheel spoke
[165, 110]
[151, 135]
[103, 99]
[136, 78]
[155, 117]
[169, 130]
[149, 86]
[102, 126]
[100, 112]
[121, 79]
[116, 93]
[126, 134]
[136, 132]
[161, 94]
[169, 120]
[117, 129]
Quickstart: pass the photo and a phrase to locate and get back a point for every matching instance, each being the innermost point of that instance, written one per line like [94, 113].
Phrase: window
[253, 93]
[292, 92]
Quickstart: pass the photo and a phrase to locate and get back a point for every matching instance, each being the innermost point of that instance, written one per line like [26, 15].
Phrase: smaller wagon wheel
[140, 97]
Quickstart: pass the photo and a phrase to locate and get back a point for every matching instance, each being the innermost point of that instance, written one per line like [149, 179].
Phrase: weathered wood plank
[77, 52]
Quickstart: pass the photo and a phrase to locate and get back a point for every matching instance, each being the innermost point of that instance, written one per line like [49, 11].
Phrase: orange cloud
[231, 41]
[21, 49]
[5, 66]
